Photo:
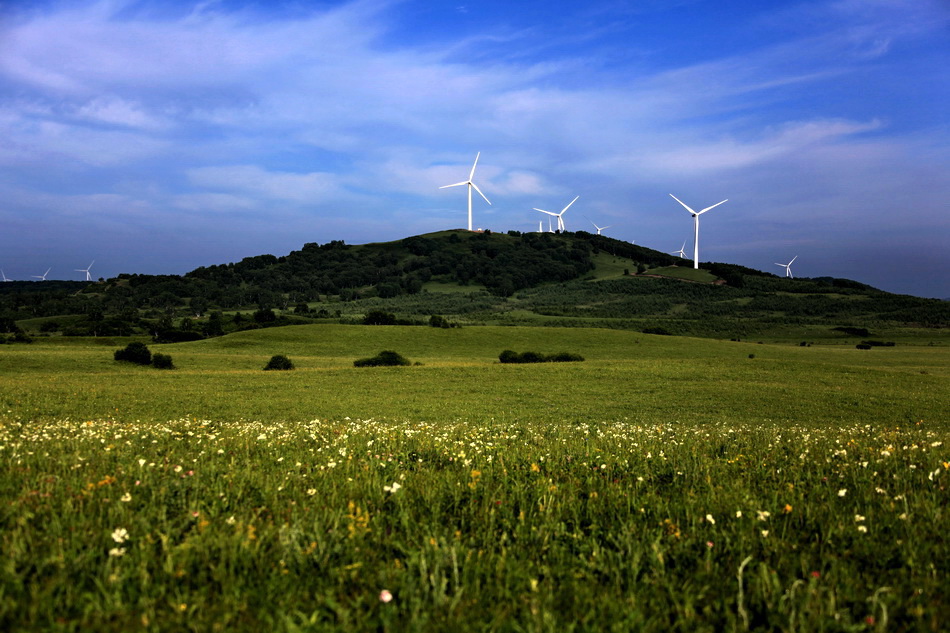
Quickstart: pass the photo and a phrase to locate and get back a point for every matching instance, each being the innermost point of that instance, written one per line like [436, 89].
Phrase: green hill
[466, 278]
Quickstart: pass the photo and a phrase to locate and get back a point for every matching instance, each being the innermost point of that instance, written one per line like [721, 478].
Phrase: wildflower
[765, 533]
[120, 535]
[738, 514]
[858, 518]
[816, 574]
[230, 520]
[535, 468]
[311, 491]
[141, 462]
[117, 552]
[862, 528]
[385, 596]
[787, 509]
[842, 492]
[763, 515]
[126, 497]
[393, 488]
[709, 544]
[711, 520]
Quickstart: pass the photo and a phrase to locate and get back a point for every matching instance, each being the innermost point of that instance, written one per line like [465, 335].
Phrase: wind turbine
[682, 251]
[4, 276]
[471, 185]
[86, 270]
[788, 267]
[599, 228]
[560, 216]
[696, 215]
[43, 276]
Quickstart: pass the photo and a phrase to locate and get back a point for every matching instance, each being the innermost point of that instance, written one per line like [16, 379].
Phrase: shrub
[509, 356]
[378, 317]
[162, 361]
[135, 352]
[387, 358]
[279, 362]
[565, 357]
[862, 346]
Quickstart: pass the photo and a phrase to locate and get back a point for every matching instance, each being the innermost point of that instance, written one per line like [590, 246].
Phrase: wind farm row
[562, 226]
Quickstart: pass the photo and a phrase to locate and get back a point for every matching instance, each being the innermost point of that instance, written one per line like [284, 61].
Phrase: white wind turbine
[696, 215]
[471, 185]
[788, 267]
[682, 251]
[86, 270]
[599, 228]
[4, 275]
[560, 216]
[43, 276]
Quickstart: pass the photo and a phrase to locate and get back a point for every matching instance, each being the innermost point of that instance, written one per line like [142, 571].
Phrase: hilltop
[466, 278]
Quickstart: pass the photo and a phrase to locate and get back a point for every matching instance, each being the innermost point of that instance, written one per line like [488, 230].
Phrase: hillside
[567, 279]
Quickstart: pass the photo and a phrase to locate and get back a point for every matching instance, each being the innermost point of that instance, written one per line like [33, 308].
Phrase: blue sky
[156, 137]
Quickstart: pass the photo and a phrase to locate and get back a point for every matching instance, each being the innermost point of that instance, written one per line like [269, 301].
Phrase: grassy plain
[664, 483]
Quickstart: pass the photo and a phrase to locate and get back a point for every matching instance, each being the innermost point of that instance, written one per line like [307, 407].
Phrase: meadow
[663, 484]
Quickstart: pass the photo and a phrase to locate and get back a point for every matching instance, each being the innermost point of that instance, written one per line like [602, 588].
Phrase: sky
[159, 136]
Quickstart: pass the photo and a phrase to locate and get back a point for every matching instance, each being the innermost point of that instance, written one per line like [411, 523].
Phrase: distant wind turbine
[86, 270]
[682, 251]
[696, 215]
[788, 267]
[471, 185]
[599, 228]
[43, 276]
[560, 216]
[4, 275]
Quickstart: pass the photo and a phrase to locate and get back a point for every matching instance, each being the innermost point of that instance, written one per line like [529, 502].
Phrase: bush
[387, 358]
[162, 361]
[135, 352]
[862, 346]
[508, 356]
[279, 362]
[378, 317]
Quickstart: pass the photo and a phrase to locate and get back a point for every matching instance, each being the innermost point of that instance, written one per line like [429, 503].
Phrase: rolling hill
[466, 278]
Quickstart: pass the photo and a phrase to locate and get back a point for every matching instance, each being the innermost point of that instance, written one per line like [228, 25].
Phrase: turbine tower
[788, 267]
[471, 185]
[43, 276]
[4, 275]
[86, 270]
[560, 216]
[696, 215]
[682, 251]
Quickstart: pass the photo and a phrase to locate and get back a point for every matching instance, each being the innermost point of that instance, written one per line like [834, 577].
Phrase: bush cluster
[138, 353]
[509, 356]
[387, 358]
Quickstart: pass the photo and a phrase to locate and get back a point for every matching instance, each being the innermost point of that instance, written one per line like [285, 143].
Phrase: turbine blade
[686, 206]
[793, 259]
[713, 207]
[569, 204]
[480, 192]
[472, 175]
[458, 184]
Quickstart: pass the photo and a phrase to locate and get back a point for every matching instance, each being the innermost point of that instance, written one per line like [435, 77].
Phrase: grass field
[664, 483]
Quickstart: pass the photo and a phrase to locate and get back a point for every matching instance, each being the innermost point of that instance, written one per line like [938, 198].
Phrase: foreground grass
[662, 485]
[197, 525]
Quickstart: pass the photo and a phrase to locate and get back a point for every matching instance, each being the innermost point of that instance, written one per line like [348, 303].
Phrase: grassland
[663, 484]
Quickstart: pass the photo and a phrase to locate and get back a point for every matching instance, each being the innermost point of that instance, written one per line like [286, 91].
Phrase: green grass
[664, 484]
[685, 272]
